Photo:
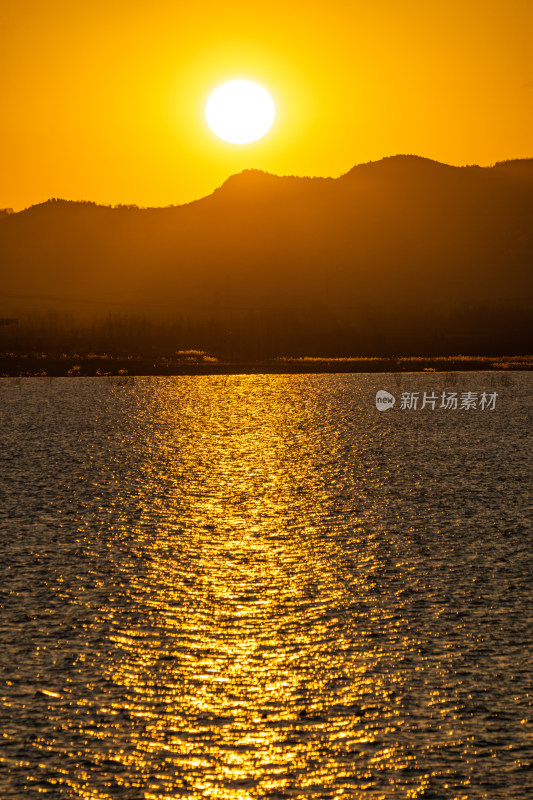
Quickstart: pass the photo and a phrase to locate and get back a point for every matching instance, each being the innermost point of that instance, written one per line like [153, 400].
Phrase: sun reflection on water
[248, 605]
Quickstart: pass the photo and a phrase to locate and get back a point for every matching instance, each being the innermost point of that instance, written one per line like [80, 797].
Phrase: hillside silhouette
[404, 254]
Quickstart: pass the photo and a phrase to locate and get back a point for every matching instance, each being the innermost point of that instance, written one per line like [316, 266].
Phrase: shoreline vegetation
[197, 362]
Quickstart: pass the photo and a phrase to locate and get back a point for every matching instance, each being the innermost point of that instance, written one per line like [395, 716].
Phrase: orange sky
[105, 100]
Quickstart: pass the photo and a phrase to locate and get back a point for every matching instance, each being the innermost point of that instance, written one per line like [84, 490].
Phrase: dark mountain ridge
[402, 241]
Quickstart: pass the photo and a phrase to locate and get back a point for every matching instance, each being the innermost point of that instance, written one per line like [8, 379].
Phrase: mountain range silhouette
[397, 239]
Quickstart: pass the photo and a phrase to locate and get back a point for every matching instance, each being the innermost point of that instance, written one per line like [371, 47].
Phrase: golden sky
[105, 100]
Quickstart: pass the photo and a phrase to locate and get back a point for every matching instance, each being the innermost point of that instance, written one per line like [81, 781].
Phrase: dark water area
[263, 587]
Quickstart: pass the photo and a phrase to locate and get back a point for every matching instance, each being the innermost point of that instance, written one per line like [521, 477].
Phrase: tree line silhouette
[468, 330]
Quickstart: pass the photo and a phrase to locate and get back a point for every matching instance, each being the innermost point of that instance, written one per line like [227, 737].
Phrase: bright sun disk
[240, 112]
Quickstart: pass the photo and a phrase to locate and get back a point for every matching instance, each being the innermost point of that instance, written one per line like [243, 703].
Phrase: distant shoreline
[14, 366]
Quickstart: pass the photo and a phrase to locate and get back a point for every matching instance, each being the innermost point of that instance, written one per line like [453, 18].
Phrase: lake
[265, 587]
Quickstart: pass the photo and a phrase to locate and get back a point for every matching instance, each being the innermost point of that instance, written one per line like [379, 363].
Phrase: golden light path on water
[240, 590]
[257, 648]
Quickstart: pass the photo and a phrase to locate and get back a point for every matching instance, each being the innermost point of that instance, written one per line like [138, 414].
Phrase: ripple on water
[259, 586]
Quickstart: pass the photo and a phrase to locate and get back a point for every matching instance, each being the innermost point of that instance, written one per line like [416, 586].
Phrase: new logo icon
[384, 400]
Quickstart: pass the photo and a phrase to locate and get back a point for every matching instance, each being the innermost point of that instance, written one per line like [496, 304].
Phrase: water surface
[262, 587]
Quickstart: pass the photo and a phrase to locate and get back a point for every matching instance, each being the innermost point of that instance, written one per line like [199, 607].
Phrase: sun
[240, 112]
